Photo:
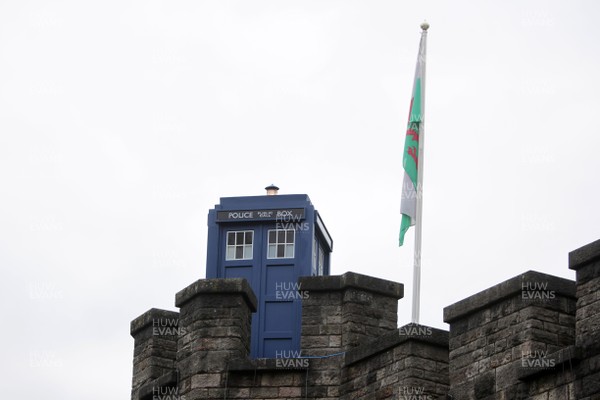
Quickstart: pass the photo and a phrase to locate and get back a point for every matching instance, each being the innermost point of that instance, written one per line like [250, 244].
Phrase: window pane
[321, 260]
[281, 245]
[230, 253]
[230, 238]
[314, 256]
[239, 239]
[249, 237]
[239, 252]
[248, 252]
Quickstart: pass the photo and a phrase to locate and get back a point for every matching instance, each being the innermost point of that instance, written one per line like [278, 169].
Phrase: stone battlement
[534, 336]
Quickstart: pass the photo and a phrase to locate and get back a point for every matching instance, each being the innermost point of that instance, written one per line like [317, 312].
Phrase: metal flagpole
[417, 265]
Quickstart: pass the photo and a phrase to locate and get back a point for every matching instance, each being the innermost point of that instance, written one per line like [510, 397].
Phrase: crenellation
[534, 336]
[155, 346]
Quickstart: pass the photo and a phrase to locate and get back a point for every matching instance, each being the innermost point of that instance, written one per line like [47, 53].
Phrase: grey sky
[122, 123]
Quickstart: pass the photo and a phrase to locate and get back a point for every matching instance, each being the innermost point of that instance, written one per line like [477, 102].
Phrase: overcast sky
[123, 122]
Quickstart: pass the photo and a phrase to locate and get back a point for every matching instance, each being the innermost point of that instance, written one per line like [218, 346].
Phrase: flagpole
[416, 304]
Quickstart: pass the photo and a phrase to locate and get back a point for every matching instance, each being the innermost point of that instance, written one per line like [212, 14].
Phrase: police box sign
[283, 214]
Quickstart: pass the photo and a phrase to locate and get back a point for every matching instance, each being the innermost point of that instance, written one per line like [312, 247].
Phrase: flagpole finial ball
[424, 25]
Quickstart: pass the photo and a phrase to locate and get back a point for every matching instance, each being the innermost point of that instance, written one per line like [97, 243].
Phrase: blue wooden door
[274, 280]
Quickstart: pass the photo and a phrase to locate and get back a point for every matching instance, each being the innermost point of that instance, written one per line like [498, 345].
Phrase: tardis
[271, 241]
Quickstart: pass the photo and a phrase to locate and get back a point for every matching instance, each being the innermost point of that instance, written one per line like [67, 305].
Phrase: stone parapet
[410, 362]
[155, 346]
[215, 316]
[534, 336]
[586, 262]
[496, 333]
[341, 312]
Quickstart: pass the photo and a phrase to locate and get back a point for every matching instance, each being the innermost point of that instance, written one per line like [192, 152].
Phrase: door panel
[276, 326]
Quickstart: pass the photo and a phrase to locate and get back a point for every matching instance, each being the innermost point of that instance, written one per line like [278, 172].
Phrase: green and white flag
[411, 186]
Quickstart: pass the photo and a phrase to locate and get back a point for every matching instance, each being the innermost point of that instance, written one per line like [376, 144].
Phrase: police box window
[321, 261]
[239, 245]
[281, 243]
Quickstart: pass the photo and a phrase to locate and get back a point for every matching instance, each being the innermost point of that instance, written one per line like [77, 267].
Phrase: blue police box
[271, 241]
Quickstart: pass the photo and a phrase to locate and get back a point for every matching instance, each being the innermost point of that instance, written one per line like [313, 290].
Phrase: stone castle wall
[534, 336]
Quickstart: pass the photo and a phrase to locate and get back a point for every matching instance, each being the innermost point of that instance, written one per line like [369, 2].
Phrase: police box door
[266, 257]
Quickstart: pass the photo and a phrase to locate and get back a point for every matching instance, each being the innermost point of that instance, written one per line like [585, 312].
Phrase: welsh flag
[410, 161]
